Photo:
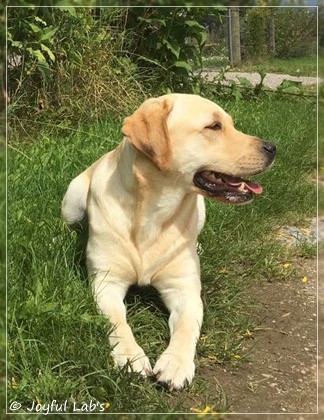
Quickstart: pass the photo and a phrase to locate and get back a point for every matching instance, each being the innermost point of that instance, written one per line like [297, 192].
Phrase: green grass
[299, 66]
[57, 344]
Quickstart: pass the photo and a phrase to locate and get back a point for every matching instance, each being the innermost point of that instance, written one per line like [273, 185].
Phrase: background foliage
[295, 32]
[77, 64]
[56, 68]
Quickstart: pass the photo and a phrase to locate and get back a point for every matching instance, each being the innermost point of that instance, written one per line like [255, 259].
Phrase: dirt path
[280, 375]
[272, 80]
[287, 382]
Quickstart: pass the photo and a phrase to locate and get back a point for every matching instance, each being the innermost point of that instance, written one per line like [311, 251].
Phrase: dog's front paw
[133, 357]
[174, 371]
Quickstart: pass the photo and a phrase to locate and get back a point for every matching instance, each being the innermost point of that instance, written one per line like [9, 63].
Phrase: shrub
[254, 33]
[295, 32]
[66, 63]
[76, 64]
[166, 44]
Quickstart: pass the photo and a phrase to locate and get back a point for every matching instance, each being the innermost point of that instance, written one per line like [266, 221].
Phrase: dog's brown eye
[217, 126]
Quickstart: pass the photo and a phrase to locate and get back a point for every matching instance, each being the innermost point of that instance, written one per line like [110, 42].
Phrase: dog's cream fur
[145, 214]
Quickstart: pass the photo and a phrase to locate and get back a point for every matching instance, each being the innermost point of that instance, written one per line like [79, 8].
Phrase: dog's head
[193, 136]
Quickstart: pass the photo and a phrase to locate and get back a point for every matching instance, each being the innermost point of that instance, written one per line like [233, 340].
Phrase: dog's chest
[138, 257]
[138, 244]
[153, 259]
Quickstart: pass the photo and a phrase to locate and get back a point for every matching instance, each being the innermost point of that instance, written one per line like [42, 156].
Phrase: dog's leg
[109, 294]
[175, 367]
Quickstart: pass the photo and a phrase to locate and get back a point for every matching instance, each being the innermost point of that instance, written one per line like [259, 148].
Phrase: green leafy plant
[30, 41]
[168, 45]
[290, 86]
[244, 89]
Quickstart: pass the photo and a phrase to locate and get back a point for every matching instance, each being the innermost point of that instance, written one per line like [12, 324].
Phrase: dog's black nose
[269, 148]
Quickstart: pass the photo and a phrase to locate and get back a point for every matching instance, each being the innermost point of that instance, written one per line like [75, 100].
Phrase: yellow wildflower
[286, 265]
[207, 409]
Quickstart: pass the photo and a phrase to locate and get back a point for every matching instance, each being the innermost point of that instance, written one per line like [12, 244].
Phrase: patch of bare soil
[281, 376]
[291, 361]
[281, 373]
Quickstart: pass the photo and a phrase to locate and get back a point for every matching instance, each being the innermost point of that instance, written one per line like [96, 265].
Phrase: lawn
[299, 66]
[57, 343]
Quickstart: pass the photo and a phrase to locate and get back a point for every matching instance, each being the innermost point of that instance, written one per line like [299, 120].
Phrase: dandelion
[286, 265]
[207, 409]
[304, 279]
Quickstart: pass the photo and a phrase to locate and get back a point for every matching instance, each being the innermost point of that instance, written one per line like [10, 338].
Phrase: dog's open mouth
[226, 188]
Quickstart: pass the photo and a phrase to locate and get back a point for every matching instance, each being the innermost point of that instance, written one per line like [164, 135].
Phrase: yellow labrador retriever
[145, 207]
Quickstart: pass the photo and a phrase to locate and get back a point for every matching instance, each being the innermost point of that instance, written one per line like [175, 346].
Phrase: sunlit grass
[298, 66]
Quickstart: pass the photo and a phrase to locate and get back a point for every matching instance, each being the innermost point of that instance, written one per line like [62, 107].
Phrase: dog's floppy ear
[147, 130]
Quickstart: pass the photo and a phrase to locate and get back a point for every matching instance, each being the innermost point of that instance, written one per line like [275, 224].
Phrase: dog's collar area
[226, 188]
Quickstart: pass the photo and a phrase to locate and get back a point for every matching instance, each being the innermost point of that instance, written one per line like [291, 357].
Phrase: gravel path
[272, 80]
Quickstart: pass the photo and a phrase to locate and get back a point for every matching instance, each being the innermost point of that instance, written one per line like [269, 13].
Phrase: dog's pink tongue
[253, 187]
[250, 185]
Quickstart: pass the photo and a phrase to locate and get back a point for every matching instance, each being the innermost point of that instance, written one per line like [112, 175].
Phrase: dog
[144, 202]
